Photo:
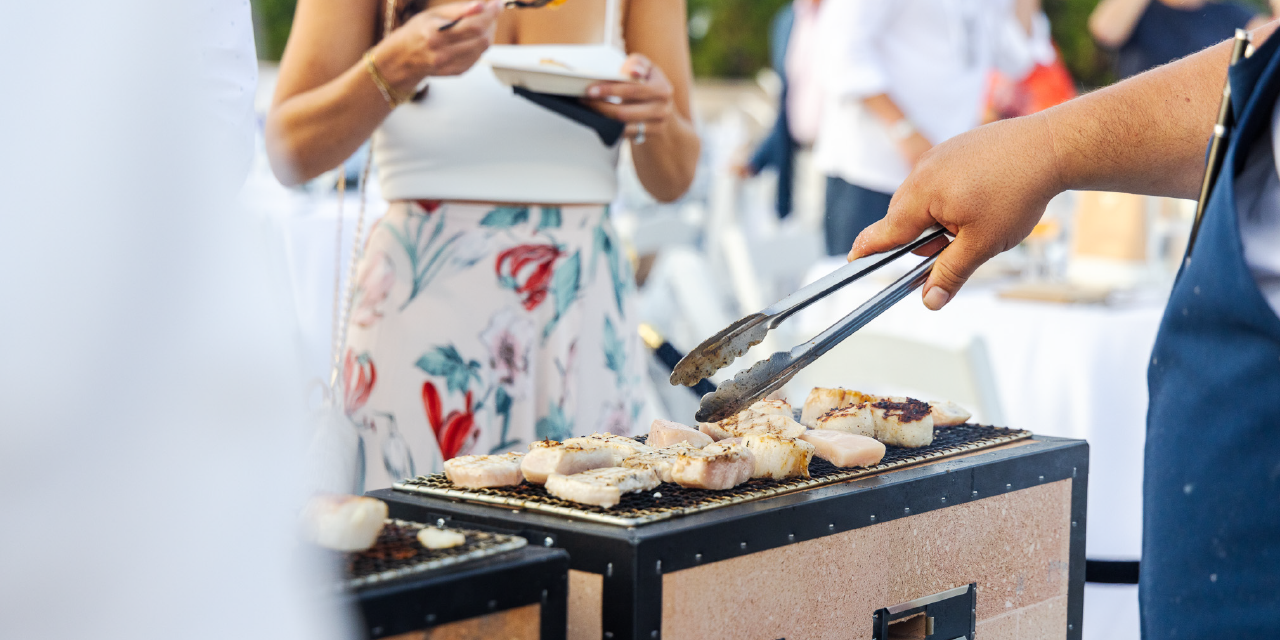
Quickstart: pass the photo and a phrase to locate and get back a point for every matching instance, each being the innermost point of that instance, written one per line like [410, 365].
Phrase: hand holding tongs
[769, 375]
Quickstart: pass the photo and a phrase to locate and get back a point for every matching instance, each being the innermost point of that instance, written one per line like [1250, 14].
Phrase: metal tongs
[770, 374]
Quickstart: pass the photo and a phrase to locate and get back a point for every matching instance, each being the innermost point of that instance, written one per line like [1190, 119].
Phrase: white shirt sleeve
[1016, 53]
[848, 35]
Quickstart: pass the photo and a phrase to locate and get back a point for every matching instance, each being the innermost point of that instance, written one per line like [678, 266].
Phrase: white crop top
[472, 138]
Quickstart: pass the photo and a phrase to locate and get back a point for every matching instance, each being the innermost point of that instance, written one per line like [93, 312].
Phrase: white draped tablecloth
[1076, 371]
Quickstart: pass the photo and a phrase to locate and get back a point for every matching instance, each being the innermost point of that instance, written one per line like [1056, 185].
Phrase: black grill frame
[671, 500]
[400, 537]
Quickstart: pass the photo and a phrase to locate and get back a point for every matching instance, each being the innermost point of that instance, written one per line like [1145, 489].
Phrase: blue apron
[1211, 514]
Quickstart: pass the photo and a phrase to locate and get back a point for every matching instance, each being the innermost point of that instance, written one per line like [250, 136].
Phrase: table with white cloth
[1076, 371]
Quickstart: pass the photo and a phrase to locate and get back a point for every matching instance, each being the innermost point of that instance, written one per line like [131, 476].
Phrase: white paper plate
[550, 78]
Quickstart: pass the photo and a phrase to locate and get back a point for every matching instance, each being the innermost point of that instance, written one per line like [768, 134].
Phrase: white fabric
[472, 138]
[1076, 371]
[1258, 202]
[932, 57]
[804, 77]
[148, 451]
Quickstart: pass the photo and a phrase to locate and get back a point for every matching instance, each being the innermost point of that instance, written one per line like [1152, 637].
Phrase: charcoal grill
[492, 581]
[983, 532]
[671, 500]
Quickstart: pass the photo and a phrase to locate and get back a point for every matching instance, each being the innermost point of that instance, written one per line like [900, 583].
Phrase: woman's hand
[418, 48]
[648, 101]
[988, 187]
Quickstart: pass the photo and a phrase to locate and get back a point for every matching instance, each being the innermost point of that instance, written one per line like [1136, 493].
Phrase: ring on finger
[639, 139]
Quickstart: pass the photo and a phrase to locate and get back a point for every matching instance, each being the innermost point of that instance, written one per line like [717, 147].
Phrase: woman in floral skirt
[493, 303]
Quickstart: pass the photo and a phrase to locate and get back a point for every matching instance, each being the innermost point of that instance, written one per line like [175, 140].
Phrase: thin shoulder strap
[613, 33]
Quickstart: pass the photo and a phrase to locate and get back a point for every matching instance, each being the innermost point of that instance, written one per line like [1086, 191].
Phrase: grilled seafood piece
[822, 400]
[857, 419]
[779, 457]
[845, 449]
[716, 466]
[660, 461]
[903, 422]
[601, 487]
[546, 457]
[479, 472]
[948, 414]
[621, 447]
[664, 433]
[343, 523]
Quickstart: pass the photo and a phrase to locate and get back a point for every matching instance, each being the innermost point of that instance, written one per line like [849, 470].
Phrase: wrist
[401, 71]
[902, 130]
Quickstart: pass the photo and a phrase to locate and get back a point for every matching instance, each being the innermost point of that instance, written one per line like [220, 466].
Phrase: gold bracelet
[393, 97]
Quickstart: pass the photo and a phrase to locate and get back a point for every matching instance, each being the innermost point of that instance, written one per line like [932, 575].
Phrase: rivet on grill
[431, 617]
[831, 527]
[873, 518]
[440, 522]
[975, 493]
[791, 537]
[1041, 478]
[1073, 472]
[493, 604]
[1071, 627]
[544, 596]
[377, 631]
[742, 545]
[608, 570]
[697, 557]
[1073, 524]
[546, 542]
[653, 634]
[1008, 487]
[944, 498]
[608, 634]
[657, 567]
[906, 511]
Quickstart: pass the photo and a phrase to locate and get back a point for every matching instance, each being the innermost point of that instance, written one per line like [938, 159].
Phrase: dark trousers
[849, 210]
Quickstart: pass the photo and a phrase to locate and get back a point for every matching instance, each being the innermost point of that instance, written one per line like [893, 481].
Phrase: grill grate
[397, 553]
[671, 500]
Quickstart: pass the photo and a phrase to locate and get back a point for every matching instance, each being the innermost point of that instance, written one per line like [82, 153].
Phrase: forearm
[315, 131]
[1145, 135]
[884, 108]
[666, 162]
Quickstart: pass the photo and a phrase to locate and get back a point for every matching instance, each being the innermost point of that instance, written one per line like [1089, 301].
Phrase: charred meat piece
[546, 457]
[716, 467]
[621, 447]
[736, 426]
[845, 449]
[903, 422]
[779, 457]
[857, 419]
[664, 433]
[602, 487]
[823, 400]
[479, 472]
[660, 461]
[948, 414]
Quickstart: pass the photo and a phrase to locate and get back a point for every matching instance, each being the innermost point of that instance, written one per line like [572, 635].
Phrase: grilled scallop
[766, 408]
[845, 449]
[660, 461]
[779, 457]
[664, 433]
[546, 457]
[479, 472]
[737, 426]
[433, 538]
[948, 414]
[822, 400]
[903, 422]
[857, 419]
[602, 487]
[343, 523]
[717, 467]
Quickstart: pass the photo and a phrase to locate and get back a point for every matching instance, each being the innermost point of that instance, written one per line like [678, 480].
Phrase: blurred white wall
[150, 406]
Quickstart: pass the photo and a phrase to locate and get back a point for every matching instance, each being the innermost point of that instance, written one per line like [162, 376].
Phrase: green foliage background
[730, 38]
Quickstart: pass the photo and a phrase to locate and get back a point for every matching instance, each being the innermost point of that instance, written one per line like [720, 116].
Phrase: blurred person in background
[793, 52]
[1048, 84]
[493, 302]
[149, 471]
[900, 77]
[1149, 33]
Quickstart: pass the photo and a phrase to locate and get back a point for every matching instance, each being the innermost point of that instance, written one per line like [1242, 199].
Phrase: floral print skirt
[480, 328]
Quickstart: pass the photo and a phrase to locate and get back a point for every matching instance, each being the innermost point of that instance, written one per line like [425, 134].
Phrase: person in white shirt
[900, 77]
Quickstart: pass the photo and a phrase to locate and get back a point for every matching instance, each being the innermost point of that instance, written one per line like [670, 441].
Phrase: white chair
[891, 365]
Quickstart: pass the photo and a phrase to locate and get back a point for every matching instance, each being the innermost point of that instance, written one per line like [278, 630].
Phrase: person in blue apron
[1211, 530]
